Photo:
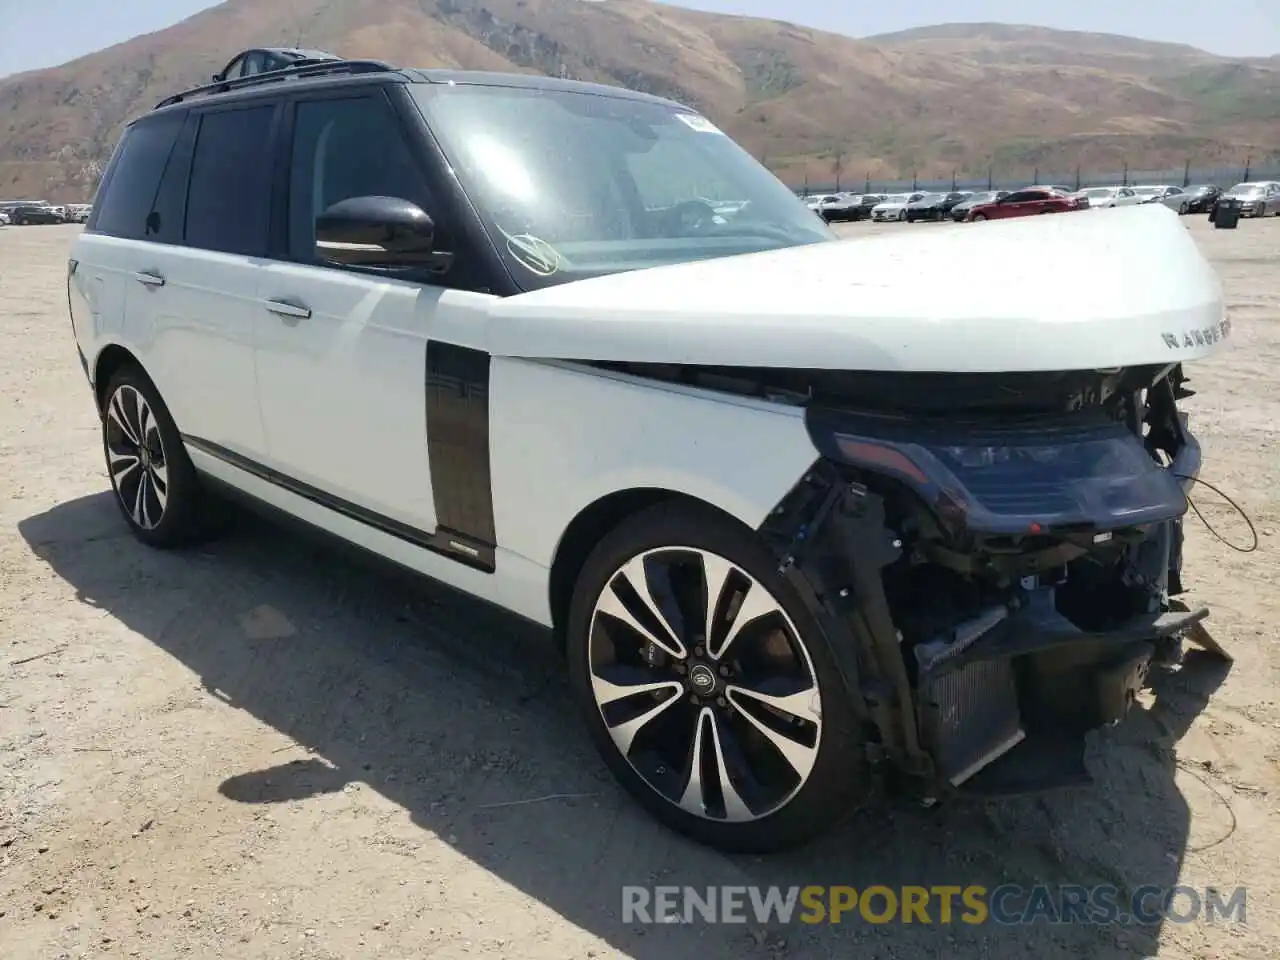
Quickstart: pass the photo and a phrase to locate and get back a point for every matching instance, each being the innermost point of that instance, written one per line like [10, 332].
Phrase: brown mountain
[955, 97]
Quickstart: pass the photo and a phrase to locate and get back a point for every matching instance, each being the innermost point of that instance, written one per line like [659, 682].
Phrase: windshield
[1099, 192]
[1148, 191]
[573, 185]
[1245, 189]
[932, 198]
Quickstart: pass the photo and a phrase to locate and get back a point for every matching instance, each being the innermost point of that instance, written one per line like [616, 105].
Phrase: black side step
[1037, 765]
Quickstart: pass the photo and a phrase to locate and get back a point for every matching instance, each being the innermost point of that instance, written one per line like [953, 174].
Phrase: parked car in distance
[1256, 198]
[923, 208]
[1155, 193]
[1200, 198]
[818, 201]
[1023, 203]
[894, 206]
[34, 213]
[1100, 197]
[961, 210]
[4, 218]
[78, 212]
[840, 207]
[865, 203]
[8, 206]
[770, 521]
[935, 206]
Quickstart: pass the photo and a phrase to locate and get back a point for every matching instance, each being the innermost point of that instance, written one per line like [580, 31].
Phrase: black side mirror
[379, 232]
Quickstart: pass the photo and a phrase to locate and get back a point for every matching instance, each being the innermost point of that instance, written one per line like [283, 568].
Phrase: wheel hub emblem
[702, 679]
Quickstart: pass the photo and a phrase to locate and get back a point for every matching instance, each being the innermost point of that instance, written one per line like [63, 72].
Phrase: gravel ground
[263, 749]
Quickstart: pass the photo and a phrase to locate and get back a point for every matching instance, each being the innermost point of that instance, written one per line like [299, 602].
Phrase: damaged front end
[994, 558]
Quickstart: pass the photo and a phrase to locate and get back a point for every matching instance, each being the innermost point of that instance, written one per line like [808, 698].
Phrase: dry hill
[954, 97]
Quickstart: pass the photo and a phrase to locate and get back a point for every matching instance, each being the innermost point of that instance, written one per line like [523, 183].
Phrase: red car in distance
[1024, 203]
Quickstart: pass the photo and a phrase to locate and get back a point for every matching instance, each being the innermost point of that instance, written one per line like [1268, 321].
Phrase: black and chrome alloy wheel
[136, 457]
[704, 684]
[710, 690]
[155, 483]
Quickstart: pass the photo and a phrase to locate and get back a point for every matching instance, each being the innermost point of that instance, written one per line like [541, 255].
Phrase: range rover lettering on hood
[1046, 293]
[1202, 337]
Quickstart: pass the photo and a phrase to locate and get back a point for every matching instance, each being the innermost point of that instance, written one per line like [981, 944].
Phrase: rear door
[107, 257]
[196, 294]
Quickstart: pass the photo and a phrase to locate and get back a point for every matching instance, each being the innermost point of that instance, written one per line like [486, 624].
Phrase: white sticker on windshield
[701, 124]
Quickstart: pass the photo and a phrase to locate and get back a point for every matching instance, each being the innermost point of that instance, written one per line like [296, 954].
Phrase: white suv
[797, 508]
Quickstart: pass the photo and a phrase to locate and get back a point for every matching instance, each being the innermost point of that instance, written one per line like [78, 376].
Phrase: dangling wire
[1208, 526]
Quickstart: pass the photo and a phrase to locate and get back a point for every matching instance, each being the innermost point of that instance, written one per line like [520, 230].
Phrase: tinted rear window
[134, 176]
[229, 199]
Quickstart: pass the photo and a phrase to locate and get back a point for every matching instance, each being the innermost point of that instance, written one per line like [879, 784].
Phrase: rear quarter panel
[96, 294]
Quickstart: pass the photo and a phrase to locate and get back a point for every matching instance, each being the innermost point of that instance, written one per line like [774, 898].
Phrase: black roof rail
[297, 69]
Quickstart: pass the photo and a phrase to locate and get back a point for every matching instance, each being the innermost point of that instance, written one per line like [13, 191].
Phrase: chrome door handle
[284, 308]
[149, 279]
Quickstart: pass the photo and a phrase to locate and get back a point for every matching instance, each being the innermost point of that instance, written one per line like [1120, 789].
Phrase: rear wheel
[155, 484]
[708, 689]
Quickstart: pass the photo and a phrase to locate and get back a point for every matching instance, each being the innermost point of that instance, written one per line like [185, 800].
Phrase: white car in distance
[894, 206]
[1100, 197]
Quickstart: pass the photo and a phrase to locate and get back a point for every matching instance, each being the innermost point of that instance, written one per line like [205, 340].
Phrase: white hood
[1116, 288]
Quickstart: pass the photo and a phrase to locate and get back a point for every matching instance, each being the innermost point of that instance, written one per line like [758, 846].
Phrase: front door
[341, 353]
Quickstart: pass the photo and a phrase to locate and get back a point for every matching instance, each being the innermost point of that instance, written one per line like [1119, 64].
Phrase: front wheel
[1184, 208]
[155, 484]
[978, 217]
[707, 686]
[902, 216]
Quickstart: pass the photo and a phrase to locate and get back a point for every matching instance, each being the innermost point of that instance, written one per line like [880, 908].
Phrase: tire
[902, 215]
[157, 491]
[977, 217]
[1262, 211]
[1184, 208]
[772, 803]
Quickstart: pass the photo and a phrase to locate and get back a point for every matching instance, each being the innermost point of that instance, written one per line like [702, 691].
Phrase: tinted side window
[1021, 196]
[134, 178]
[346, 148]
[164, 222]
[229, 200]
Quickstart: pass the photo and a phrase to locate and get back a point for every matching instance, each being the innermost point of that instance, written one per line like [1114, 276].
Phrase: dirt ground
[262, 749]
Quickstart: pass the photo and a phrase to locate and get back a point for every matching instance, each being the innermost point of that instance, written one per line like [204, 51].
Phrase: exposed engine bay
[995, 557]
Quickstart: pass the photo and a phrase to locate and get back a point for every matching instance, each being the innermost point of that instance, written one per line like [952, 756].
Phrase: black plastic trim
[450, 543]
[457, 397]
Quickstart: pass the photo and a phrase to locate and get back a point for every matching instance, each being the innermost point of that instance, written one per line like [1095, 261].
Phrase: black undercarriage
[994, 557]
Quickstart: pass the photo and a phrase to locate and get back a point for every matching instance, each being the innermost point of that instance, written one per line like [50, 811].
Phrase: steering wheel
[690, 217]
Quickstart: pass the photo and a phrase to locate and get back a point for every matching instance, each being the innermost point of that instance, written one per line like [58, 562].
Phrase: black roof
[314, 73]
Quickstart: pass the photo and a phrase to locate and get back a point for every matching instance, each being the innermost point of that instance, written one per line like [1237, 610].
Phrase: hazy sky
[42, 33]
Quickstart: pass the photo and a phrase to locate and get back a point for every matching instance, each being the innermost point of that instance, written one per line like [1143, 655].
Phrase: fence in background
[1000, 180]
